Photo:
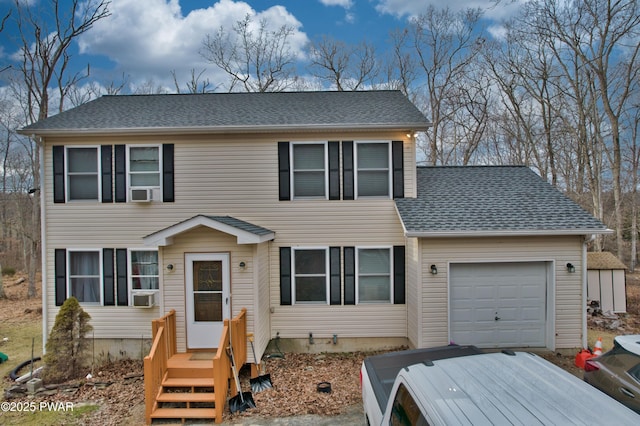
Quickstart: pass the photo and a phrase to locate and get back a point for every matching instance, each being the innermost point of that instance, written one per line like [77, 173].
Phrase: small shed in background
[606, 282]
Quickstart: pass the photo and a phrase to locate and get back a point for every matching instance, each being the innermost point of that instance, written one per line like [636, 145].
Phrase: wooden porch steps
[188, 389]
[184, 413]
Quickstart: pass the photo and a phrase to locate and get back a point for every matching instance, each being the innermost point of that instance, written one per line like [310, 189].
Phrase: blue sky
[147, 39]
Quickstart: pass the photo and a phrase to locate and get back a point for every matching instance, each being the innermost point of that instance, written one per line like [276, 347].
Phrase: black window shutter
[347, 170]
[58, 174]
[167, 173]
[60, 259]
[349, 276]
[121, 173]
[108, 281]
[398, 275]
[334, 272]
[284, 184]
[285, 275]
[334, 170]
[107, 181]
[121, 277]
[398, 169]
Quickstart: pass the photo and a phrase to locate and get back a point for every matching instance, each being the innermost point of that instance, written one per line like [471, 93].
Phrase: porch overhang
[245, 232]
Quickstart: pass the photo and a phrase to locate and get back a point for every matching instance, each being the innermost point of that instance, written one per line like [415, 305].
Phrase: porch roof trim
[245, 232]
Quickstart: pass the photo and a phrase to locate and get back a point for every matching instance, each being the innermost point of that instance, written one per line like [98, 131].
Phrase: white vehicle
[459, 385]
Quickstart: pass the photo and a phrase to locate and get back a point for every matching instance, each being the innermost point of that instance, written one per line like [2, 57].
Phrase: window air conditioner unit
[144, 300]
[141, 195]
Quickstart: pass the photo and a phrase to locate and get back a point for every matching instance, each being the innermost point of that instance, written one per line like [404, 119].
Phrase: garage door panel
[513, 292]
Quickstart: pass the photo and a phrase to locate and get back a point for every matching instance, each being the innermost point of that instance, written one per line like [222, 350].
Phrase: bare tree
[343, 66]
[46, 36]
[604, 34]
[255, 58]
[446, 45]
[196, 83]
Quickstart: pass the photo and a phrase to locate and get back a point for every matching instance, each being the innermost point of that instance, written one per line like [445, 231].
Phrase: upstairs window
[144, 273]
[144, 167]
[309, 170]
[83, 174]
[373, 175]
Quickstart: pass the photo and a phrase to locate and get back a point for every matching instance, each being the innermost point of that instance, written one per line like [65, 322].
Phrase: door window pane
[207, 290]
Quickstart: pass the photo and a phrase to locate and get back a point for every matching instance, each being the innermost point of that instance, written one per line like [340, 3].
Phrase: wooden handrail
[234, 332]
[155, 364]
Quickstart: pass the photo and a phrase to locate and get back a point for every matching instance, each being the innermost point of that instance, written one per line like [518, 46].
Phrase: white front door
[207, 298]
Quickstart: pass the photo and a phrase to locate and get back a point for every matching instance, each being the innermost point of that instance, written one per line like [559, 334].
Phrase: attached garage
[487, 255]
[495, 305]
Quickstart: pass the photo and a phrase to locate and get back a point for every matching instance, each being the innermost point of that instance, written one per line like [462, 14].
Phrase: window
[83, 174]
[405, 411]
[372, 169]
[144, 273]
[310, 275]
[309, 170]
[374, 275]
[144, 166]
[84, 276]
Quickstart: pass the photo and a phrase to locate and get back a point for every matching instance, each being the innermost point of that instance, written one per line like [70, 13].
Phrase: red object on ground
[582, 356]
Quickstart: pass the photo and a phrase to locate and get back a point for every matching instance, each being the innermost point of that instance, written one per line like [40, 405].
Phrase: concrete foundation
[105, 350]
[323, 344]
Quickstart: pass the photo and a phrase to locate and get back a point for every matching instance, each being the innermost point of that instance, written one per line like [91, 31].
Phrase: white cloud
[494, 9]
[152, 37]
[343, 3]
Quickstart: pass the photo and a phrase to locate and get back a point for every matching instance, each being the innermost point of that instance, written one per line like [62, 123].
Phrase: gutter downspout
[43, 249]
[583, 271]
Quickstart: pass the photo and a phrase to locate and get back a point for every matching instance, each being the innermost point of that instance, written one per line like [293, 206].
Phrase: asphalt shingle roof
[241, 225]
[490, 200]
[225, 112]
[604, 260]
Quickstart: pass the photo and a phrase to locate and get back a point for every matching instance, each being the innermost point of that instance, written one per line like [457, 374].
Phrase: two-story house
[308, 210]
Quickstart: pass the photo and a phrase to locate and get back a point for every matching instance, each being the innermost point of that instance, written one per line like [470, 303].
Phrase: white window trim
[130, 288]
[391, 273]
[326, 275]
[326, 170]
[356, 170]
[100, 276]
[128, 168]
[67, 186]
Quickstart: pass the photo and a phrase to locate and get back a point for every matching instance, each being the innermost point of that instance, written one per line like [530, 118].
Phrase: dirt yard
[116, 395]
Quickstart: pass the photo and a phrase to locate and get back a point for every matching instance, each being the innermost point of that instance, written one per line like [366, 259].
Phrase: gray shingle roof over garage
[228, 112]
[491, 200]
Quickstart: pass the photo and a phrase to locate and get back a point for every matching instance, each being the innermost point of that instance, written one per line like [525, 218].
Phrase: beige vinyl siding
[262, 323]
[413, 295]
[235, 176]
[558, 250]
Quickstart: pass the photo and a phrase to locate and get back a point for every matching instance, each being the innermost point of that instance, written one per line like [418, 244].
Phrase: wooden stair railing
[178, 373]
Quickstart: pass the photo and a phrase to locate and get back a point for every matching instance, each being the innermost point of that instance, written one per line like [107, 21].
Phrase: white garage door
[498, 305]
